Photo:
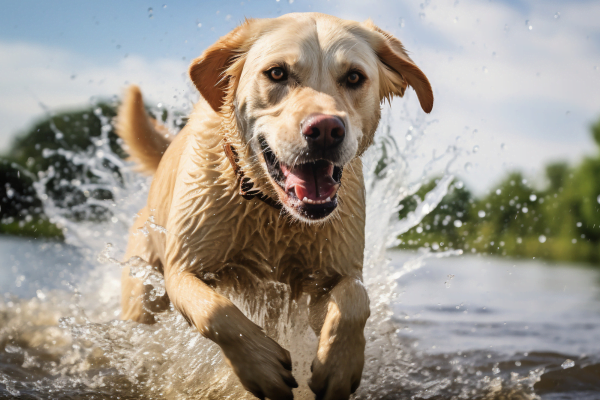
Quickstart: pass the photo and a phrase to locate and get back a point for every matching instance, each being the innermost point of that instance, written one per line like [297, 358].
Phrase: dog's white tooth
[328, 199]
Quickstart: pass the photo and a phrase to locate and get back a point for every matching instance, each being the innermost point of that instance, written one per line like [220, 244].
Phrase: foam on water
[71, 341]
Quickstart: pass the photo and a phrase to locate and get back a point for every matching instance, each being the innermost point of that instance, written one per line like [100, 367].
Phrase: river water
[462, 327]
[443, 325]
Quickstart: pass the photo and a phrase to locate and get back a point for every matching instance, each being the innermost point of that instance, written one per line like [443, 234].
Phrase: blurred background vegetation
[560, 221]
[52, 153]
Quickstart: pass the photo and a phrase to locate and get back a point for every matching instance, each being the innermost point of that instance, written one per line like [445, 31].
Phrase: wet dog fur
[260, 84]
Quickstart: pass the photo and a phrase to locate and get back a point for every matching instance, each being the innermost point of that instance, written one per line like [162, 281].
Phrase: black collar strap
[245, 183]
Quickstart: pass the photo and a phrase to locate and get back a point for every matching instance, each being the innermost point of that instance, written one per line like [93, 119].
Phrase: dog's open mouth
[309, 188]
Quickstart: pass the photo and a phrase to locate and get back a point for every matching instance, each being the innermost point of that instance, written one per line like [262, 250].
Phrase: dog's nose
[326, 131]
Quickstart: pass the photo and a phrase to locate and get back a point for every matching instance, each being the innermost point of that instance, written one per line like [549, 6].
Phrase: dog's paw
[263, 367]
[337, 370]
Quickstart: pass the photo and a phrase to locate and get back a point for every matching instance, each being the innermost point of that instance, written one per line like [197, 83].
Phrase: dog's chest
[220, 236]
[269, 247]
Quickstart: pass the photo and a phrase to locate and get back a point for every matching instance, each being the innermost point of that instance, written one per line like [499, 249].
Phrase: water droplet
[468, 166]
[495, 370]
[401, 22]
[503, 146]
[532, 197]
[518, 363]
[408, 137]
[475, 149]
[542, 239]
[481, 213]
[579, 224]
[460, 185]
[457, 223]
[199, 25]
[529, 26]
[598, 199]
[568, 364]
[485, 70]
[557, 15]
[150, 13]
[498, 191]
[447, 283]
[164, 6]
[524, 210]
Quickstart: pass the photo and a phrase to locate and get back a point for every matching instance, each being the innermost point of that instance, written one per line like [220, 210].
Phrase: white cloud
[534, 90]
[32, 74]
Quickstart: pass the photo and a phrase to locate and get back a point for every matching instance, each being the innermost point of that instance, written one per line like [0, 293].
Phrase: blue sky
[518, 79]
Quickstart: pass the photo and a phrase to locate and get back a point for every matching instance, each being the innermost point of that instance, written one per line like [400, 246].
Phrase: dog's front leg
[339, 317]
[262, 365]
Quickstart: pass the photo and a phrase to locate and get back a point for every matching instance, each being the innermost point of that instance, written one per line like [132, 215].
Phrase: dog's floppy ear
[211, 71]
[398, 70]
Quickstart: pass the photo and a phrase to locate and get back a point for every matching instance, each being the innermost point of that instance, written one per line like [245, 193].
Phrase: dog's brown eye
[277, 74]
[353, 78]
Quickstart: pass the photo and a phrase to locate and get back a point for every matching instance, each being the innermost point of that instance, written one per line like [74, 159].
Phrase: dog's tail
[146, 139]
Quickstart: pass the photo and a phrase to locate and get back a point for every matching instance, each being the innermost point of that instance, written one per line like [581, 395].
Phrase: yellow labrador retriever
[265, 183]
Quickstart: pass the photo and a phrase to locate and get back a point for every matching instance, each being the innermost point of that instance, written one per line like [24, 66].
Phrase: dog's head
[304, 92]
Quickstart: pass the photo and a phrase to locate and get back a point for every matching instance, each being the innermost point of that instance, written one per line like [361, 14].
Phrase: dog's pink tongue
[311, 181]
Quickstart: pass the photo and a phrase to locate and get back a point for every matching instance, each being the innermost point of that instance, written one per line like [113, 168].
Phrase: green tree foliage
[74, 158]
[560, 222]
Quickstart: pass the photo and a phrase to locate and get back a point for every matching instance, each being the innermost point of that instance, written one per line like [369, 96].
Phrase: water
[496, 329]
[442, 326]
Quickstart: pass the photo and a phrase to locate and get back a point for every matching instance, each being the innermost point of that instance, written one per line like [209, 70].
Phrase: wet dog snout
[323, 131]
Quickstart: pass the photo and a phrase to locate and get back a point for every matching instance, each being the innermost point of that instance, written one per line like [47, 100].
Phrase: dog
[264, 183]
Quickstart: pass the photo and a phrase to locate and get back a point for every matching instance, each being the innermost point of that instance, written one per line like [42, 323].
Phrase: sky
[516, 83]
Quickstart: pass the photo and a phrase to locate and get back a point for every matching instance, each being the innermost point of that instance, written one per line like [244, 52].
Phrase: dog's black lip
[309, 211]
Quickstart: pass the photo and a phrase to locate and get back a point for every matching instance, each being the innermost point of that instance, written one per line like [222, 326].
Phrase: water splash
[70, 341]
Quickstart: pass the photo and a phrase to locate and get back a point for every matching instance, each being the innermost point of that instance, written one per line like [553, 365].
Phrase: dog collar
[244, 182]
